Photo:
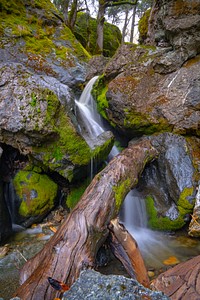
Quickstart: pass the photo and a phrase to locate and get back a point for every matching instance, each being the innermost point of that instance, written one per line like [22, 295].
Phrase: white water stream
[155, 246]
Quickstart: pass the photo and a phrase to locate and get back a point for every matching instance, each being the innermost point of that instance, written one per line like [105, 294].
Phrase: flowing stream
[158, 249]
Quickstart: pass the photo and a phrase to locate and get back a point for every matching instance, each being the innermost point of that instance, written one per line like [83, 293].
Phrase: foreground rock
[93, 285]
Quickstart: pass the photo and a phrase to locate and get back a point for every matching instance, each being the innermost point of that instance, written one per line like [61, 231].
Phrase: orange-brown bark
[75, 244]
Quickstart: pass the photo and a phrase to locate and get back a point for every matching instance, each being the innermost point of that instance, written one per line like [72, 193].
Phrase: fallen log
[135, 262]
[75, 244]
[180, 282]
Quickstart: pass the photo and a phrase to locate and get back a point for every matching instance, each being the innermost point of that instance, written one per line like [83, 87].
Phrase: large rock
[176, 23]
[168, 183]
[33, 33]
[92, 285]
[144, 90]
[35, 118]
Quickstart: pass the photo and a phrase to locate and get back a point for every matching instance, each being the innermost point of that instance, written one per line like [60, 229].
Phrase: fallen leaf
[172, 260]
[54, 229]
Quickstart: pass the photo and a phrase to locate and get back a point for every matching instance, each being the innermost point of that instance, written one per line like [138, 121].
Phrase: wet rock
[168, 183]
[96, 66]
[194, 227]
[149, 91]
[93, 285]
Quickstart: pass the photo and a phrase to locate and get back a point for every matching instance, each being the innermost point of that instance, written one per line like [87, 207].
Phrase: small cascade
[9, 196]
[10, 199]
[91, 123]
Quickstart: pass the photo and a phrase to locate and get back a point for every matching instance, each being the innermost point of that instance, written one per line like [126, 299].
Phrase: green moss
[161, 223]
[183, 200]
[141, 123]
[76, 193]
[143, 26]
[66, 143]
[39, 38]
[101, 152]
[37, 193]
[99, 93]
[120, 192]
[164, 223]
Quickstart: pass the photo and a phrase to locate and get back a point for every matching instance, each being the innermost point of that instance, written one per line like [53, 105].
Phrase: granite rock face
[176, 23]
[92, 285]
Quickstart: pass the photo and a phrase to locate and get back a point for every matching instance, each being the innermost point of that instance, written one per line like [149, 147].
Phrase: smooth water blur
[156, 247]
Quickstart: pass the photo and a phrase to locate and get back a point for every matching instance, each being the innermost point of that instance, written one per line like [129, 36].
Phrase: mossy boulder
[142, 88]
[86, 32]
[36, 194]
[168, 183]
[180, 213]
[34, 34]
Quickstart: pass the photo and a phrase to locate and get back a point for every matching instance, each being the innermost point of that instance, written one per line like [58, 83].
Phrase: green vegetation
[164, 223]
[101, 152]
[141, 123]
[99, 93]
[86, 33]
[143, 26]
[76, 193]
[37, 193]
[63, 143]
[38, 35]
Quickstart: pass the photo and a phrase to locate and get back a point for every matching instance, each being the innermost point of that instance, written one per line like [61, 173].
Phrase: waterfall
[153, 245]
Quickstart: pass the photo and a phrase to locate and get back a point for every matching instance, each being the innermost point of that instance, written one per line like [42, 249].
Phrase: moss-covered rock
[165, 223]
[36, 194]
[34, 34]
[86, 32]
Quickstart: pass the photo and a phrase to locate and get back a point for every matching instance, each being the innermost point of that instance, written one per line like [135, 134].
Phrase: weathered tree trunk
[131, 250]
[182, 281]
[75, 244]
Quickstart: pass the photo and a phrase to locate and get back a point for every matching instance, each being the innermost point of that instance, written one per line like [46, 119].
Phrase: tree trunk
[125, 25]
[133, 24]
[75, 244]
[100, 25]
[131, 250]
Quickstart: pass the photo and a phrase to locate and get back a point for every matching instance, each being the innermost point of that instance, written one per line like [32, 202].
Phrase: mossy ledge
[99, 91]
[64, 143]
[164, 223]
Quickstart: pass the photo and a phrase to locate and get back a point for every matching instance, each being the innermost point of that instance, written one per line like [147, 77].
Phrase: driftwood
[181, 282]
[127, 251]
[75, 244]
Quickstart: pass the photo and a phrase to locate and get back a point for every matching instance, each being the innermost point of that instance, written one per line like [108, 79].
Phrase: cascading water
[155, 246]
